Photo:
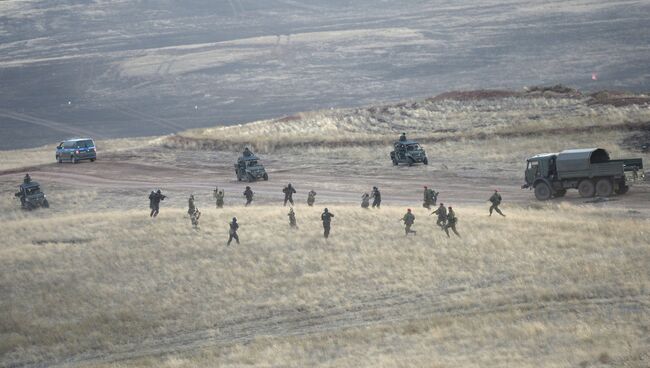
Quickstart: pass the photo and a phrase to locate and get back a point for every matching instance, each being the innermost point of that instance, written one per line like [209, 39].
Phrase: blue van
[75, 150]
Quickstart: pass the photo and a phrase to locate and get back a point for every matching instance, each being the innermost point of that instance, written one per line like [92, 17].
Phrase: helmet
[325, 210]
[158, 191]
[234, 219]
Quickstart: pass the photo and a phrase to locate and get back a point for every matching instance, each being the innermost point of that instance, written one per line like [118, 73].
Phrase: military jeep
[408, 152]
[249, 169]
[31, 196]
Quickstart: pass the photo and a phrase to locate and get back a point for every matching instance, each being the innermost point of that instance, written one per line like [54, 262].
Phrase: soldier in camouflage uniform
[409, 219]
[219, 195]
[154, 202]
[190, 205]
[326, 217]
[433, 196]
[365, 200]
[292, 219]
[427, 198]
[442, 215]
[496, 201]
[376, 196]
[311, 198]
[27, 179]
[288, 194]
[194, 218]
[248, 193]
[234, 226]
[452, 220]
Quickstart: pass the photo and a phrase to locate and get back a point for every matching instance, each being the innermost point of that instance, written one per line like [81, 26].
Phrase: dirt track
[198, 172]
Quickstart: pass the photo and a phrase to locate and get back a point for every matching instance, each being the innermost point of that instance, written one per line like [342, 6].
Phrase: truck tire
[395, 163]
[604, 187]
[586, 188]
[425, 161]
[265, 177]
[542, 192]
[622, 189]
[46, 204]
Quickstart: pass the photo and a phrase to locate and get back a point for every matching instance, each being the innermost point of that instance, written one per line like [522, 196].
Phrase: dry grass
[546, 286]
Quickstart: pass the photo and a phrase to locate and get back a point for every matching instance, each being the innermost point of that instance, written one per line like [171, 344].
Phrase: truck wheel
[425, 161]
[395, 163]
[542, 192]
[265, 177]
[622, 189]
[586, 188]
[559, 193]
[604, 188]
[46, 204]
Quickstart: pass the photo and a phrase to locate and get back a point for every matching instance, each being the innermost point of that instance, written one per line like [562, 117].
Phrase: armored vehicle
[589, 170]
[248, 168]
[408, 152]
[31, 197]
[75, 150]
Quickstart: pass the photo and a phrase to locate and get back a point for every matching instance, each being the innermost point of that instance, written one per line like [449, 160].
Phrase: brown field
[93, 281]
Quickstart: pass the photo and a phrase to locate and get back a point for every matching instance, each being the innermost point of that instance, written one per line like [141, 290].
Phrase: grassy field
[552, 285]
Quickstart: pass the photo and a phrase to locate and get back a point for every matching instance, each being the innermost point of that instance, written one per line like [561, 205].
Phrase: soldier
[190, 205]
[292, 219]
[248, 193]
[433, 196]
[452, 220]
[154, 202]
[442, 215]
[402, 137]
[326, 216]
[219, 195]
[376, 197]
[409, 219]
[233, 231]
[194, 217]
[247, 152]
[288, 194]
[427, 198]
[365, 200]
[311, 198]
[496, 201]
[27, 179]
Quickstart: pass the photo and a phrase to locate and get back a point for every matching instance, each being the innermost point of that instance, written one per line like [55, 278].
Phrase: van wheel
[586, 188]
[542, 192]
[73, 159]
[92, 160]
[604, 188]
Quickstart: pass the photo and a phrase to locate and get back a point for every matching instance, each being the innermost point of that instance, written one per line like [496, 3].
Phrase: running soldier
[248, 193]
[376, 196]
[154, 202]
[288, 194]
[327, 221]
[442, 215]
[234, 226]
[194, 218]
[292, 219]
[409, 219]
[365, 200]
[190, 205]
[496, 201]
[311, 198]
[452, 220]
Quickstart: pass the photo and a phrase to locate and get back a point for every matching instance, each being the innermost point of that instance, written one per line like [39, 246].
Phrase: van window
[69, 144]
[87, 143]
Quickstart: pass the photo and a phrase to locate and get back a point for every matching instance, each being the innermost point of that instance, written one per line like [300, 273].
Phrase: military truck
[249, 169]
[408, 152]
[589, 170]
[31, 196]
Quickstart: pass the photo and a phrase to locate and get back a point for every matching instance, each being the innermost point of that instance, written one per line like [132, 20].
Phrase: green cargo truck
[589, 170]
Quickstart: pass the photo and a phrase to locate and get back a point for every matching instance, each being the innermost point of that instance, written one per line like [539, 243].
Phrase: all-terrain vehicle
[589, 170]
[408, 152]
[249, 169]
[31, 196]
